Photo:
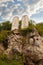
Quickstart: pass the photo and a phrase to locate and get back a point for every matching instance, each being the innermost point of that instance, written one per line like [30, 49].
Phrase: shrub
[5, 61]
[39, 27]
[3, 38]
[3, 35]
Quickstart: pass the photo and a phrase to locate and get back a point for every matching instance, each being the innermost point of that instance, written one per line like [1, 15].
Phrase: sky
[11, 8]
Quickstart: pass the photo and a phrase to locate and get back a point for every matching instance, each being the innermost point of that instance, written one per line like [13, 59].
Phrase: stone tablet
[24, 21]
[15, 23]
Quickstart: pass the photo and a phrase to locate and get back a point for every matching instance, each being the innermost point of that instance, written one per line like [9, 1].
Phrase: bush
[5, 26]
[39, 27]
[3, 35]
[20, 22]
[4, 60]
[5, 29]
[3, 38]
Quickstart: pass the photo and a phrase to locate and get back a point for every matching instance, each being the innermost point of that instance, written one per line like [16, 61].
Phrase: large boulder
[34, 51]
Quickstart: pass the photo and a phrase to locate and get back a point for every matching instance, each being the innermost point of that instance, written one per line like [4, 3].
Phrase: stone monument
[15, 23]
[24, 21]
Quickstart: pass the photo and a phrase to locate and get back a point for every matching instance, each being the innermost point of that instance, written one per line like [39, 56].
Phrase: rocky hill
[30, 45]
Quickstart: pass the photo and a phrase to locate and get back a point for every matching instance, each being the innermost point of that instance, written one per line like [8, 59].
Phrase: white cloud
[35, 8]
[9, 11]
[17, 5]
[6, 1]
[3, 5]
[19, 0]
[26, 8]
[7, 16]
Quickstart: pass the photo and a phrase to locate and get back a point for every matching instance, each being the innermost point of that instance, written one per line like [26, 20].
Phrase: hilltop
[24, 44]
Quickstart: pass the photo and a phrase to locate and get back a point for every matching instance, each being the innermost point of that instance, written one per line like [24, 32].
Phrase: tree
[5, 28]
[31, 22]
[6, 25]
[3, 38]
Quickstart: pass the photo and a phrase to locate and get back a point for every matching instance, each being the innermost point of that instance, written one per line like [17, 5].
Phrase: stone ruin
[15, 23]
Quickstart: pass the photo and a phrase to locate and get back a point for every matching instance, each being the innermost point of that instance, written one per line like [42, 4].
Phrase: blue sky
[11, 8]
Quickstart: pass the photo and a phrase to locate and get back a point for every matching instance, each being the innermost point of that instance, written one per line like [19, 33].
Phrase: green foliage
[3, 35]
[31, 25]
[5, 61]
[39, 27]
[28, 29]
[20, 22]
[3, 38]
[5, 26]
[0, 27]
[32, 21]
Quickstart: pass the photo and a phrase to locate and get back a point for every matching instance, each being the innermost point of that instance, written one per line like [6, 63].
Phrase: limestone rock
[15, 42]
[31, 46]
[35, 49]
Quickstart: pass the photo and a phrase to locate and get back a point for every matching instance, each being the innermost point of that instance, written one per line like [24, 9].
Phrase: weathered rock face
[35, 49]
[30, 45]
[15, 42]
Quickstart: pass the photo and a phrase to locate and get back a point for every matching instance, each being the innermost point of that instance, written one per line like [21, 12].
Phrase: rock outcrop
[31, 46]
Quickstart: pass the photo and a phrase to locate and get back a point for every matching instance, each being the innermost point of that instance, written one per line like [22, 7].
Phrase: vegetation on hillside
[15, 60]
[5, 28]
[39, 27]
